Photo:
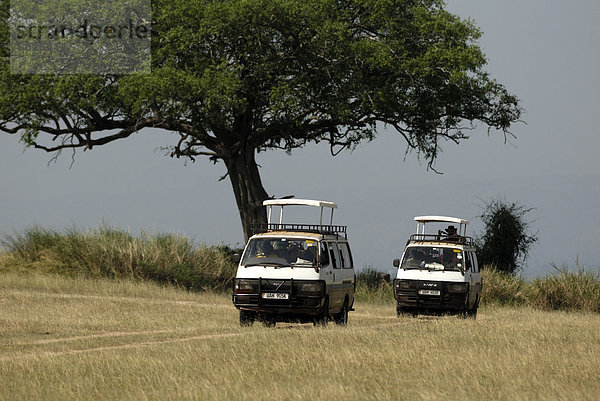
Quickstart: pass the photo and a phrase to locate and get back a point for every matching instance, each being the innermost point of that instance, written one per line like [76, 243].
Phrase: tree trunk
[248, 189]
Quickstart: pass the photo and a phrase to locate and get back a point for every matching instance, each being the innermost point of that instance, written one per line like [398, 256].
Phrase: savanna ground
[73, 339]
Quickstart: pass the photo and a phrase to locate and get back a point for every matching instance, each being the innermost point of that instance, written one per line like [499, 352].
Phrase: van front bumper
[430, 295]
[287, 298]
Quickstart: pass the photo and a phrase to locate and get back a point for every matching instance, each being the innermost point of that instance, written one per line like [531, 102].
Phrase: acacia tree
[237, 77]
[505, 242]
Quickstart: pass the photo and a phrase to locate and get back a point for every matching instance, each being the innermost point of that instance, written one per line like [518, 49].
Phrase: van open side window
[324, 254]
[346, 256]
[475, 264]
[334, 255]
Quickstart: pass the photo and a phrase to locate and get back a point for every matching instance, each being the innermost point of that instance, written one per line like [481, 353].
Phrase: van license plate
[429, 292]
[275, 295]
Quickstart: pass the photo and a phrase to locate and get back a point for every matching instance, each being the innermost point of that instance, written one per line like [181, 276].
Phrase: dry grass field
[75, 339]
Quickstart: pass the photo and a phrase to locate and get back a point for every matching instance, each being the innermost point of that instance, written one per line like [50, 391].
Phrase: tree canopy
[237, 77]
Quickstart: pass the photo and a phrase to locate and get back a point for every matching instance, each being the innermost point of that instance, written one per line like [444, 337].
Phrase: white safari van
[438, 271]
[296, 272]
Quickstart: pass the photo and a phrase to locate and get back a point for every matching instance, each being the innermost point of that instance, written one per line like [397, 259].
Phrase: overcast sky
[547, 52]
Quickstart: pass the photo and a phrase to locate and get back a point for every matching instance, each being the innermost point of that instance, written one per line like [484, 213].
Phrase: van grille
[407, 294]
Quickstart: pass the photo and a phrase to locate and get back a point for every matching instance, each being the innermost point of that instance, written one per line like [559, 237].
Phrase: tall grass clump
[500, 288]
[114, 253]
[567, 290]
[563, 290]
[373, 286]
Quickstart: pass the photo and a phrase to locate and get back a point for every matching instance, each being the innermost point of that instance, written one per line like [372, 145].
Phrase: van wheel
[473, 311]
[407, 312]
[321, 320]
[246, 318]
[323, 317]
[469, 313]
[268, 321]
[342, 317]
[401, 311]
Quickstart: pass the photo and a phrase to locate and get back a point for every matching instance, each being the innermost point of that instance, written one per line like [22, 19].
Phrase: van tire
[323, 317]
[246, 318]
[473, 311]
[467, 312]
[268, 321]
[321, 320]
[341, 318]
[403, 312]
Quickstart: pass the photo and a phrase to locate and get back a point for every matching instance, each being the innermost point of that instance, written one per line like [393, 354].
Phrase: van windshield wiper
[276, 264]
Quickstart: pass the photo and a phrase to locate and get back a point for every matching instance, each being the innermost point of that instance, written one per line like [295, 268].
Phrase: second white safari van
[296, 272]
[438, 271]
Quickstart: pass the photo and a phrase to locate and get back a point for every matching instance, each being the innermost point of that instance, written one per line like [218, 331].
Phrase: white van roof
[320, 228]
[440, 219]
[299, 202]
[422, 221]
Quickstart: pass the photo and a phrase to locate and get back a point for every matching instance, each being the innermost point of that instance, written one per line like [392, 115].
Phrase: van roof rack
[299, 202]
[313, 228]
[460, 236]
[440, 219]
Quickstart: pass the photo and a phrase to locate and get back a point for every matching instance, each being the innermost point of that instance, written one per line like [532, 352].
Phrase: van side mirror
[396, 262]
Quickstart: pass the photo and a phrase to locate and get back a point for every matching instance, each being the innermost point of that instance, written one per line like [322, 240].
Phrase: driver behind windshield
[281, 251]
[280, 248]
[424, 257]
[265, 250]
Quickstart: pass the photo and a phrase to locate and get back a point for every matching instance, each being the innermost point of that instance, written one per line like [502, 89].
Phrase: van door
[326, 271]
[476, 276]
[473, 285]
[337, 292]
[347, 273]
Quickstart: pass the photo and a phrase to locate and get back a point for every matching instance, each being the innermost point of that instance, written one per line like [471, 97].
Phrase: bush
[374, 287]
[505, 242]
[502, 288]
[174, 259]
[567, 290]
[110, 252]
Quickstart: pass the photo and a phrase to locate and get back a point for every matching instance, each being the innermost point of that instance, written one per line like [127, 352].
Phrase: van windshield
[281, 252]
[433, 258]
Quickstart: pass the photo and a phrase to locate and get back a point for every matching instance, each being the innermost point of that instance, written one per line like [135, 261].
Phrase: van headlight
[458, 287]
[311, 288]
[243, 286]
[402, 285]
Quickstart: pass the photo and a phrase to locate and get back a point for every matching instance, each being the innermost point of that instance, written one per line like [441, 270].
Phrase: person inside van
[414, 258]
[452, 259]
[293, 251]
[281, 249]
[452, 234]
[309, 255]
[265, 250]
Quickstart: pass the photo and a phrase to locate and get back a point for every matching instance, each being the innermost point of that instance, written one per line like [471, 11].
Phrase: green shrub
[505, 241]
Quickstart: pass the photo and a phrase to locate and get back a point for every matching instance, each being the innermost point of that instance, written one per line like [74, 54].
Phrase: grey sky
[546, 52]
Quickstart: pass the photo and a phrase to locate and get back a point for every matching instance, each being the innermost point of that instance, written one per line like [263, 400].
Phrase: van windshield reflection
[281, 252]
[432, 258]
